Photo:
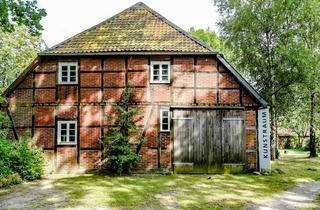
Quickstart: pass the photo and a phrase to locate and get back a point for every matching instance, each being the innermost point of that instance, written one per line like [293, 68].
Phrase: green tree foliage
[310, 35]
[4, 119]
[265, 37]
[212, 39]
[17, 49]
[21, 12]
[120, 149]
[18, 160]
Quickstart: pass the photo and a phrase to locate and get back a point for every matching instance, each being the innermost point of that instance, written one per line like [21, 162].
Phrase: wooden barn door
[183, 144]
[205, 141]
[233, 141]
[214, 142]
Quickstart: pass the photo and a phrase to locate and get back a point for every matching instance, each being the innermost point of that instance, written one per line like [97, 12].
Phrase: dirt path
[299, 197]
[41, 194]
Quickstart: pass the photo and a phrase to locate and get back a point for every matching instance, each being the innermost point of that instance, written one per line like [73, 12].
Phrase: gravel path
[40, 194]
[299, 197]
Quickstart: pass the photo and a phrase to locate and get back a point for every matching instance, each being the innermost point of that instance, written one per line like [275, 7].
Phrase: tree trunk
[312, 142]
[273, 117]
[277, 153]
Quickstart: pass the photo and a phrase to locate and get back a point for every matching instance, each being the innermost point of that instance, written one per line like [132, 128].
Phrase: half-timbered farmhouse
[199, 113]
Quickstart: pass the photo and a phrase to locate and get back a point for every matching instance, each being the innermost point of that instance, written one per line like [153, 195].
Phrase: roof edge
[21, 77]
[185, 33]
[242, 81]
[126, 53]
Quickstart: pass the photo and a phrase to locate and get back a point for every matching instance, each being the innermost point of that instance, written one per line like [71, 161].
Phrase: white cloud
[66, 18]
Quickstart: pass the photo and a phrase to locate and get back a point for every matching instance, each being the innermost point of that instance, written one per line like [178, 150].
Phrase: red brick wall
[251, 139]
[196, 80]
[66, 159]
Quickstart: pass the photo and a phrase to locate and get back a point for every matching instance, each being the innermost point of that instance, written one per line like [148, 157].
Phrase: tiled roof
[136, 29]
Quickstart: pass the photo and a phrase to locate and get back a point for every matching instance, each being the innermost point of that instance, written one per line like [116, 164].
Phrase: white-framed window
[164, 120]
[160, 71]
[67, 132]
[68, 72]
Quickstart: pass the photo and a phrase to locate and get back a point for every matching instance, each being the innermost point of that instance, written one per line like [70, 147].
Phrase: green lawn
[185, 191]
[317, 200]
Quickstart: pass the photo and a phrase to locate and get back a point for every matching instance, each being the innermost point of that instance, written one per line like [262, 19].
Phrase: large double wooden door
[205, 141]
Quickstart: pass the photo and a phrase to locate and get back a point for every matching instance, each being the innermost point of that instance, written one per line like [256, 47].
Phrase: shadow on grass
[186, 191]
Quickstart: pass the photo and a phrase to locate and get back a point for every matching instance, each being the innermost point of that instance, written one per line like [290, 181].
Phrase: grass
[185, 191]
[317, 200]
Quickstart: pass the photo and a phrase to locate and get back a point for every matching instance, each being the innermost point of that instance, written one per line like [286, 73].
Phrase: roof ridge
[168, 22]
[138, 5]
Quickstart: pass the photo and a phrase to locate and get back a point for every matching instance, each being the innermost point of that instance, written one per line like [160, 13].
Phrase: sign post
[264, 140]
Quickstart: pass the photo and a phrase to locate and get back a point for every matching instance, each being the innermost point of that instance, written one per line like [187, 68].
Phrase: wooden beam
[13, 127]
[78, 113]
[22, 76]
[209, 107]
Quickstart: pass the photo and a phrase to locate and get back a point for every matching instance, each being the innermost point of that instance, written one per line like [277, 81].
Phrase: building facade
[199, 114]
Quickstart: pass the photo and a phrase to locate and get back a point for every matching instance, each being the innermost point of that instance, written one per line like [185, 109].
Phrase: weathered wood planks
[209, 139]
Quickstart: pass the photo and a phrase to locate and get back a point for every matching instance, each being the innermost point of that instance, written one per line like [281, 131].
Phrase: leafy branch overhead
[21, 12]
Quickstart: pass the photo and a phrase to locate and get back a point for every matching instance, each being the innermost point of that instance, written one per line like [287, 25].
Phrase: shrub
[120, 153]
[10, 180]
[19, 161]
[6, 149]
[27, 161]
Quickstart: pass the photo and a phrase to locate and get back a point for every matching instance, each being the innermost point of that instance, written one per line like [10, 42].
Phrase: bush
[6, 149]
[27, 161]
[10, 180]
[19, 161]
[120, 152]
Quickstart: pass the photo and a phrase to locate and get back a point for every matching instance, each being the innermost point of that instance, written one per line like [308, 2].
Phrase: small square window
[164, 120]
[160, 72]
[67, 132]
[68, 73]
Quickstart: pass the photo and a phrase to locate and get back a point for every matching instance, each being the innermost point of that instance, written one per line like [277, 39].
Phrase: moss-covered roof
[136, 29]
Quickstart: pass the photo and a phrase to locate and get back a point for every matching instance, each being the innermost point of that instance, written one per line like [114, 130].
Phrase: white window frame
[160, 63]
[68, 122]
[68, 64]
[161, 118]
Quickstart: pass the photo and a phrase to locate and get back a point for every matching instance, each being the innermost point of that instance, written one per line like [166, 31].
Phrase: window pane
[72, 68]
[164, 78]
[63, 138]
[64, 68]
[72, 79]
[155, 72]
[164, 120]
[72, 132]
[72, 138]
[156, 66]
[165, 66]
[64, 73]
[64, 79]
[165, 114]
[155, 77]
[63, 132]
[63, 126]
[72, 73]
[164, 72]
[165, 127]
[72, 126]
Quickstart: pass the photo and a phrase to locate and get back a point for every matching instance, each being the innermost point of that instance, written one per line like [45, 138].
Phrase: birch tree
[263, 35]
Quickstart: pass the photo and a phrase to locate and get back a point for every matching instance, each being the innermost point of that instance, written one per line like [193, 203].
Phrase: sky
[66, 18]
